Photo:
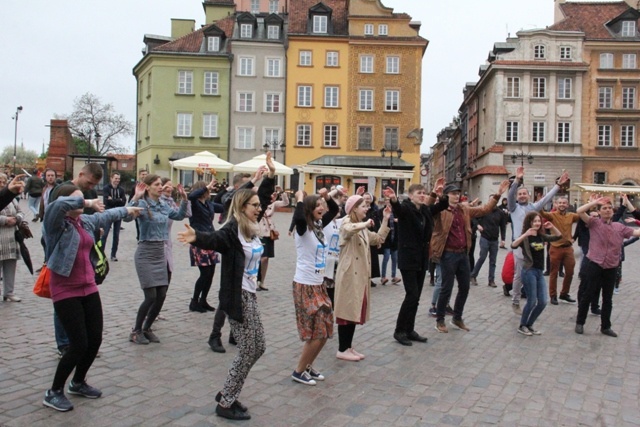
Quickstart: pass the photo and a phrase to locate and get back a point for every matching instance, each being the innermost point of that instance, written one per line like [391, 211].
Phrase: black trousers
[413, 281]
[596, 278]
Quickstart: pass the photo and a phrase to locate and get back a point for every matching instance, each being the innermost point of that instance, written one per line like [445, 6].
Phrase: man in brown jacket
[450, 244]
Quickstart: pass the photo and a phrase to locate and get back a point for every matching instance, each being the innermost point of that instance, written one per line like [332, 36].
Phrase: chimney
[557, 11]
[182, 27]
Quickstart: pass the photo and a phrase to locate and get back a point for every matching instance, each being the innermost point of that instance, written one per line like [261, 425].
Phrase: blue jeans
[453, 266]
[34, 205]
[490, 247]
[62, 340]
[393, 254]
[438, 286]
[116, 238]
[537, 298]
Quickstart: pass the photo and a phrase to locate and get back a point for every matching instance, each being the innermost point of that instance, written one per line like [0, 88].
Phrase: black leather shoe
[237, 403]
[232, 413]
[401, 337]
[194, 305]
[609, 332]
[232, 340]
[580, 329]
[204, 304]
[216, 345]
[505, 291]
[414, 336]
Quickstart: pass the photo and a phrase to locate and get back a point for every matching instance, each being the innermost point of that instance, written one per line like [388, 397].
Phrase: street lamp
[15, 139]
[273, 145]
[521, 155]
[384, 151]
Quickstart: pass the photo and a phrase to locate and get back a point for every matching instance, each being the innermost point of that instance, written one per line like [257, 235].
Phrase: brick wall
[60, 142]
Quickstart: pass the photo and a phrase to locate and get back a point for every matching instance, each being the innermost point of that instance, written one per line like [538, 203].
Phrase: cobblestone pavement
[488, 376]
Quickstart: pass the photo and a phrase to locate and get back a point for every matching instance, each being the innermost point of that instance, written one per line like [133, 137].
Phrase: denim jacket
[153, 220]
[62, 238]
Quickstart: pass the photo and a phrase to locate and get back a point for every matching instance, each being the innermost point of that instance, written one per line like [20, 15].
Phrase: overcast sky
[55, 51]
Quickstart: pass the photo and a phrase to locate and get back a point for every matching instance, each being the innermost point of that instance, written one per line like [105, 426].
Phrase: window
[184, 124]
[330, 135]
[274, 67]
[564, 132]
[148, 128]
[629, 61]
[565, 53]
[244, 138]
[606, 60]
[365, 97]
[628, 29]
[255, 6]
[210, 83]
[513, 87]
[368, 29]
[331, 97]
[213, 44]
[123, 165]
[391, 100]
[564, 88]
[272, 102]
[245, 102]
[149, 86]
[365, 138]
[246, 31]
[539, 87]
[185, 82]
[332, 59]
[599, 177]
[305, 58]
[210, 125]
[304, 96]
[272, 138]
[538, 129]
[627, 136]
[391, 138]
[273, 32]
[604, 136]
[383, 30]
[628, 98]
[539, 52]
[245, 66]
[512, 131]
[605, 95]
[273, 6]
[366, 64]
[320, 24]
[393, 64]
[303, 135]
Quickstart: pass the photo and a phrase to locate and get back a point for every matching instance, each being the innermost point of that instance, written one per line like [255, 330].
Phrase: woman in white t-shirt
[314, 311]
[239, 243]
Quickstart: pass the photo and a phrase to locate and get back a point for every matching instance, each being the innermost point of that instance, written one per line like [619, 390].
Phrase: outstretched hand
[504, 186]
[520, 172]
[16, 186]
[438, 188]
[188, 236]
[360, 191]
[181, 192]
[271, 165]
[388, 192]
[141, 187]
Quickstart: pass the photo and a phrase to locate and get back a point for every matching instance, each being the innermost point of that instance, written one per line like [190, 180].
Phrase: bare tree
[99, 125]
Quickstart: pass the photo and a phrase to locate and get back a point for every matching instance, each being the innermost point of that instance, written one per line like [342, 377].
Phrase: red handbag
[41, 287]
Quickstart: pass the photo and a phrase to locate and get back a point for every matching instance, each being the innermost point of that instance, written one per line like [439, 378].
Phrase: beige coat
[353, 277]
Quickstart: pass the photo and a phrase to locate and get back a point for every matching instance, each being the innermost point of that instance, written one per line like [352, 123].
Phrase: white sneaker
[347, 355]
[354, 352]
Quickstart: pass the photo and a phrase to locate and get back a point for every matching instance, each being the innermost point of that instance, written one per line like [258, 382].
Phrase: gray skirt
[151, 264]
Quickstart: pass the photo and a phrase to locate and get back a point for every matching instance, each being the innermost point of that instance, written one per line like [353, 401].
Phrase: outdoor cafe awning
[607, 189]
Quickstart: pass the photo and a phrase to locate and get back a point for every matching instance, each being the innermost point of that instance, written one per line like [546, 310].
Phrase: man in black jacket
[492, 226]
[415, 226]
[114, 197]
[11, 191]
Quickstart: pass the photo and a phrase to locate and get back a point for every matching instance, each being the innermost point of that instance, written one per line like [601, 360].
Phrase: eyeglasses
[255, 205]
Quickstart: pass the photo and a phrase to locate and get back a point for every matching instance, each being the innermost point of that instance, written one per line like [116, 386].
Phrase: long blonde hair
[248, 228]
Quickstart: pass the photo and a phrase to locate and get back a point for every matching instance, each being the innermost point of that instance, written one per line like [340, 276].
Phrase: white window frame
[213, 43]
[564, 132]
[304, 96]
[513, 87]
[246, 66]
[331, 97]
[210, 125]
[539, 51]
[629, 61]
[333, 58]
[273, 67]
[272, 135]
[392, 100]
[273, 32]
[211, 82]
[368, 139]
[245, 137]
[273, 6]
[391, 138]
[246, 102]
[367, 64]
[184, 125]
[320, 24]
[393, 65]
[627, 136]
[538, 131]
[383, 30]
[605, 97]
[565, 53]
[273, 102]
[628, 29]
[539, 88]
[185, 82]
[512, 131]
[606, 60]
[368, 29]
[628, 98]
[246, 31]
[565, 89]
[365, 99]
[605, 135]
[304, 134]
[305, 58]
[330, 135]
[255, 6]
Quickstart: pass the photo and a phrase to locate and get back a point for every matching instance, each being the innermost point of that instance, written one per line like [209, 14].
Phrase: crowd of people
[338, 238]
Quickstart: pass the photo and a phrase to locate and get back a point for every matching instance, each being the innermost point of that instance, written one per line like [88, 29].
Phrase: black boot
[195, 306]
[204, 304]
[216, 345]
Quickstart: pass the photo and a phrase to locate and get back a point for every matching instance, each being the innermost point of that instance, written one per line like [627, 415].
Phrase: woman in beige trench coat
[352, 293]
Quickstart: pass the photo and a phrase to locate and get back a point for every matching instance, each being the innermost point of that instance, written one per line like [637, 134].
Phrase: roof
[566, 64]
[192, 42]
[489, 170]
[299, 14]
[590, 18]
[376, 162]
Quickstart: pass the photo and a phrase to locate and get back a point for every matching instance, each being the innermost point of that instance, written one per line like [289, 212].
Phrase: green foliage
[24, 157]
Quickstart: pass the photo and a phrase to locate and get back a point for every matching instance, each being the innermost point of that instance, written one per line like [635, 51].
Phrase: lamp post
[274, 145]
[15, 139]
[384, 151]
[522, 155]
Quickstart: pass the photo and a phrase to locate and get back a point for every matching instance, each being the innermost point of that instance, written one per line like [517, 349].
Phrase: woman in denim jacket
[69, 238]
[150, 258]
